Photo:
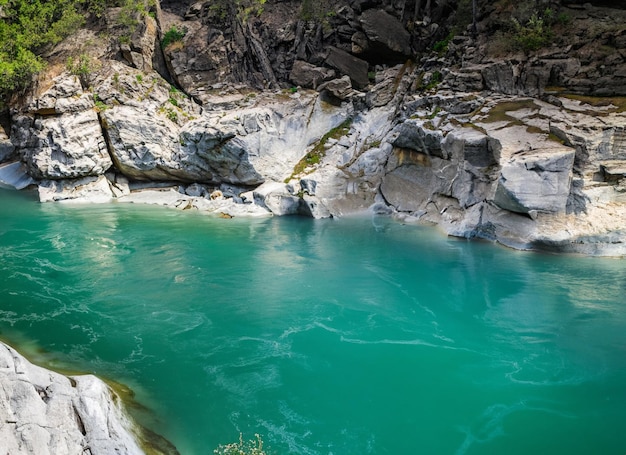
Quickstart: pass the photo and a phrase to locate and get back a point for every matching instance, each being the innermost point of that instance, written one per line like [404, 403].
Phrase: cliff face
[514, 132]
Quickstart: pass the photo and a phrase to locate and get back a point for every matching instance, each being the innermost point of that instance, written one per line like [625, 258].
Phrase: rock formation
[42, 412]
[510, 128]
[333, 108]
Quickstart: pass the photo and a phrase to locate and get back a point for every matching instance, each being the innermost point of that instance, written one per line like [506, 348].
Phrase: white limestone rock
[56, 132]
[66, 146]
[45, 413]
[170, 197]
[537, 180]
[85, 190]
[14, 175]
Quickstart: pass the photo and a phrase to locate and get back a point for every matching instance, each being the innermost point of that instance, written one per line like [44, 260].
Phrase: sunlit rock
[44, 412]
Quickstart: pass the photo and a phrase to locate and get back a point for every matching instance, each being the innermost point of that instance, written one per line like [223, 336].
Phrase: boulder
[64, 95]
[283, 203]
[276, 197]
[340, 88]
[7, 149]
[43, 412]
[536, 181]
[217, 154]
[306, 75]
[65, 146]
[613, 171]
[149, 147]
[199, 59]
[349, 65]
[478, 156]
[143, 145]
[475, 147]
[412, 178]
[86, 189]
[500, 77]
[412, 135]
[314, 207]
[57, 132]
[387, 39]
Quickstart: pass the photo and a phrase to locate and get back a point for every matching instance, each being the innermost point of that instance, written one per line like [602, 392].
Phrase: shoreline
[546, 233]
[60, 388]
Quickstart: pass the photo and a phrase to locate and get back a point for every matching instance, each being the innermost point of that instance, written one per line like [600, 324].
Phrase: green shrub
[172, 35]
[249, 8]
[252, 447]
[441, 47]
[171, 114]
[131, 14]
[319, 11]
[99, 105]
[16, 71]
[81, 66]
[533, 35]
[27, 29]
[435, 80]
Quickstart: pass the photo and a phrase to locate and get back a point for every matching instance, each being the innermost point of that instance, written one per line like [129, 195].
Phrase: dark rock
[308, 186]
[349, 65]
[389, 42]
[304, 74]
[415, 137]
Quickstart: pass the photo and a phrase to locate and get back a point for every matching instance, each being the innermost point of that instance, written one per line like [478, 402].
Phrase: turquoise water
[349, 336]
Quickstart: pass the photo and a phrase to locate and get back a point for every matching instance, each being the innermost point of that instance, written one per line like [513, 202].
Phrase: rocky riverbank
[530, 173]
[508, 126]
[520, 149]
[43, 412]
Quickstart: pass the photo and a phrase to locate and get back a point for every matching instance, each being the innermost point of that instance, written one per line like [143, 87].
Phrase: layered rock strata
[497, 149]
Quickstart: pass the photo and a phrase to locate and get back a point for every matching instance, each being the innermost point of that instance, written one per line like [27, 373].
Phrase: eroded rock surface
[480, 145]
[42, 412]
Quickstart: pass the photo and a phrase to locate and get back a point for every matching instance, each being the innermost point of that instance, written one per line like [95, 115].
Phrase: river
[343, 336]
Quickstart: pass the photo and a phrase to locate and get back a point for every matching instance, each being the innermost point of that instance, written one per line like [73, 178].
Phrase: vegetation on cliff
[29, 28]
[26, 29]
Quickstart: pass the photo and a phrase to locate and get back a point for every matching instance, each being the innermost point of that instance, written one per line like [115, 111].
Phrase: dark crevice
[79, 421]
[43, 394]
[107, 142]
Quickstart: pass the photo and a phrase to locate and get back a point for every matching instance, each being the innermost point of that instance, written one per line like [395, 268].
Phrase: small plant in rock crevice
[173, 35]
[99, 105]
[314, 156]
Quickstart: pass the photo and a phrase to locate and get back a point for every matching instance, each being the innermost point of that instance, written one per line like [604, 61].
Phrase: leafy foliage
[534, 34]
[130, 15]
[249, 8]
[81, 66]
[317, 10]
[252, 447]
[172, 35]
[441, 47]
[27, 28]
